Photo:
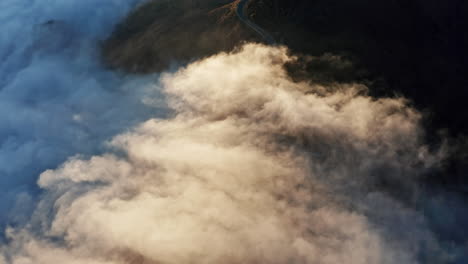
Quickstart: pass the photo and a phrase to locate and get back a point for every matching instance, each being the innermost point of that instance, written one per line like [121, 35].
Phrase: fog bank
[56, 99]
[250, 168]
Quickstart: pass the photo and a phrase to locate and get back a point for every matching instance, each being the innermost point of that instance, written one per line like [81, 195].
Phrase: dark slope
[415, 47]
[411, 47]
[164, 31]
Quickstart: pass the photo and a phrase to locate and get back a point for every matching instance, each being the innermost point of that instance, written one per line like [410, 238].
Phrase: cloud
[56, 99]
[251, 167]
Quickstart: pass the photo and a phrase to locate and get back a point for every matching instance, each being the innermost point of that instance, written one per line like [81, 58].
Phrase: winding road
[263, 33]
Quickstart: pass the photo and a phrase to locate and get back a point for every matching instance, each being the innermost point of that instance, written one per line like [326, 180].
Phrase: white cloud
[251, 168]
[56, 99]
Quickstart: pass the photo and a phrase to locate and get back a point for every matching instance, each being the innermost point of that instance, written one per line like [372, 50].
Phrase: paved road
[263, 33]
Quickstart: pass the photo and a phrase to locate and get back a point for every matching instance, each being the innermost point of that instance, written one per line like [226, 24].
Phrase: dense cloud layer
[251, 168]
[56, 100]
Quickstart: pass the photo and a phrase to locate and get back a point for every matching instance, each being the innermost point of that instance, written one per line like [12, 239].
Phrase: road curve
[263, 33]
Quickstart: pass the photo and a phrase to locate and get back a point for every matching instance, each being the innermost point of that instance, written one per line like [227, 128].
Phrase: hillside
[415, 48]
[412, 48]
[404, 47]
[162, 32]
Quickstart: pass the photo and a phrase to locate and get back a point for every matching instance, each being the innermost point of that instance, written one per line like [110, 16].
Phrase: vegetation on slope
[161, 32]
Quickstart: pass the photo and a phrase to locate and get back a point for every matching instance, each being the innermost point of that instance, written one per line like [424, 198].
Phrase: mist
[56, 98]
[224, 160]
[250, 167]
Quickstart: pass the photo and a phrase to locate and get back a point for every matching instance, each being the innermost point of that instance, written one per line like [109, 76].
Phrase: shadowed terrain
[159, 33]
[411, 48]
